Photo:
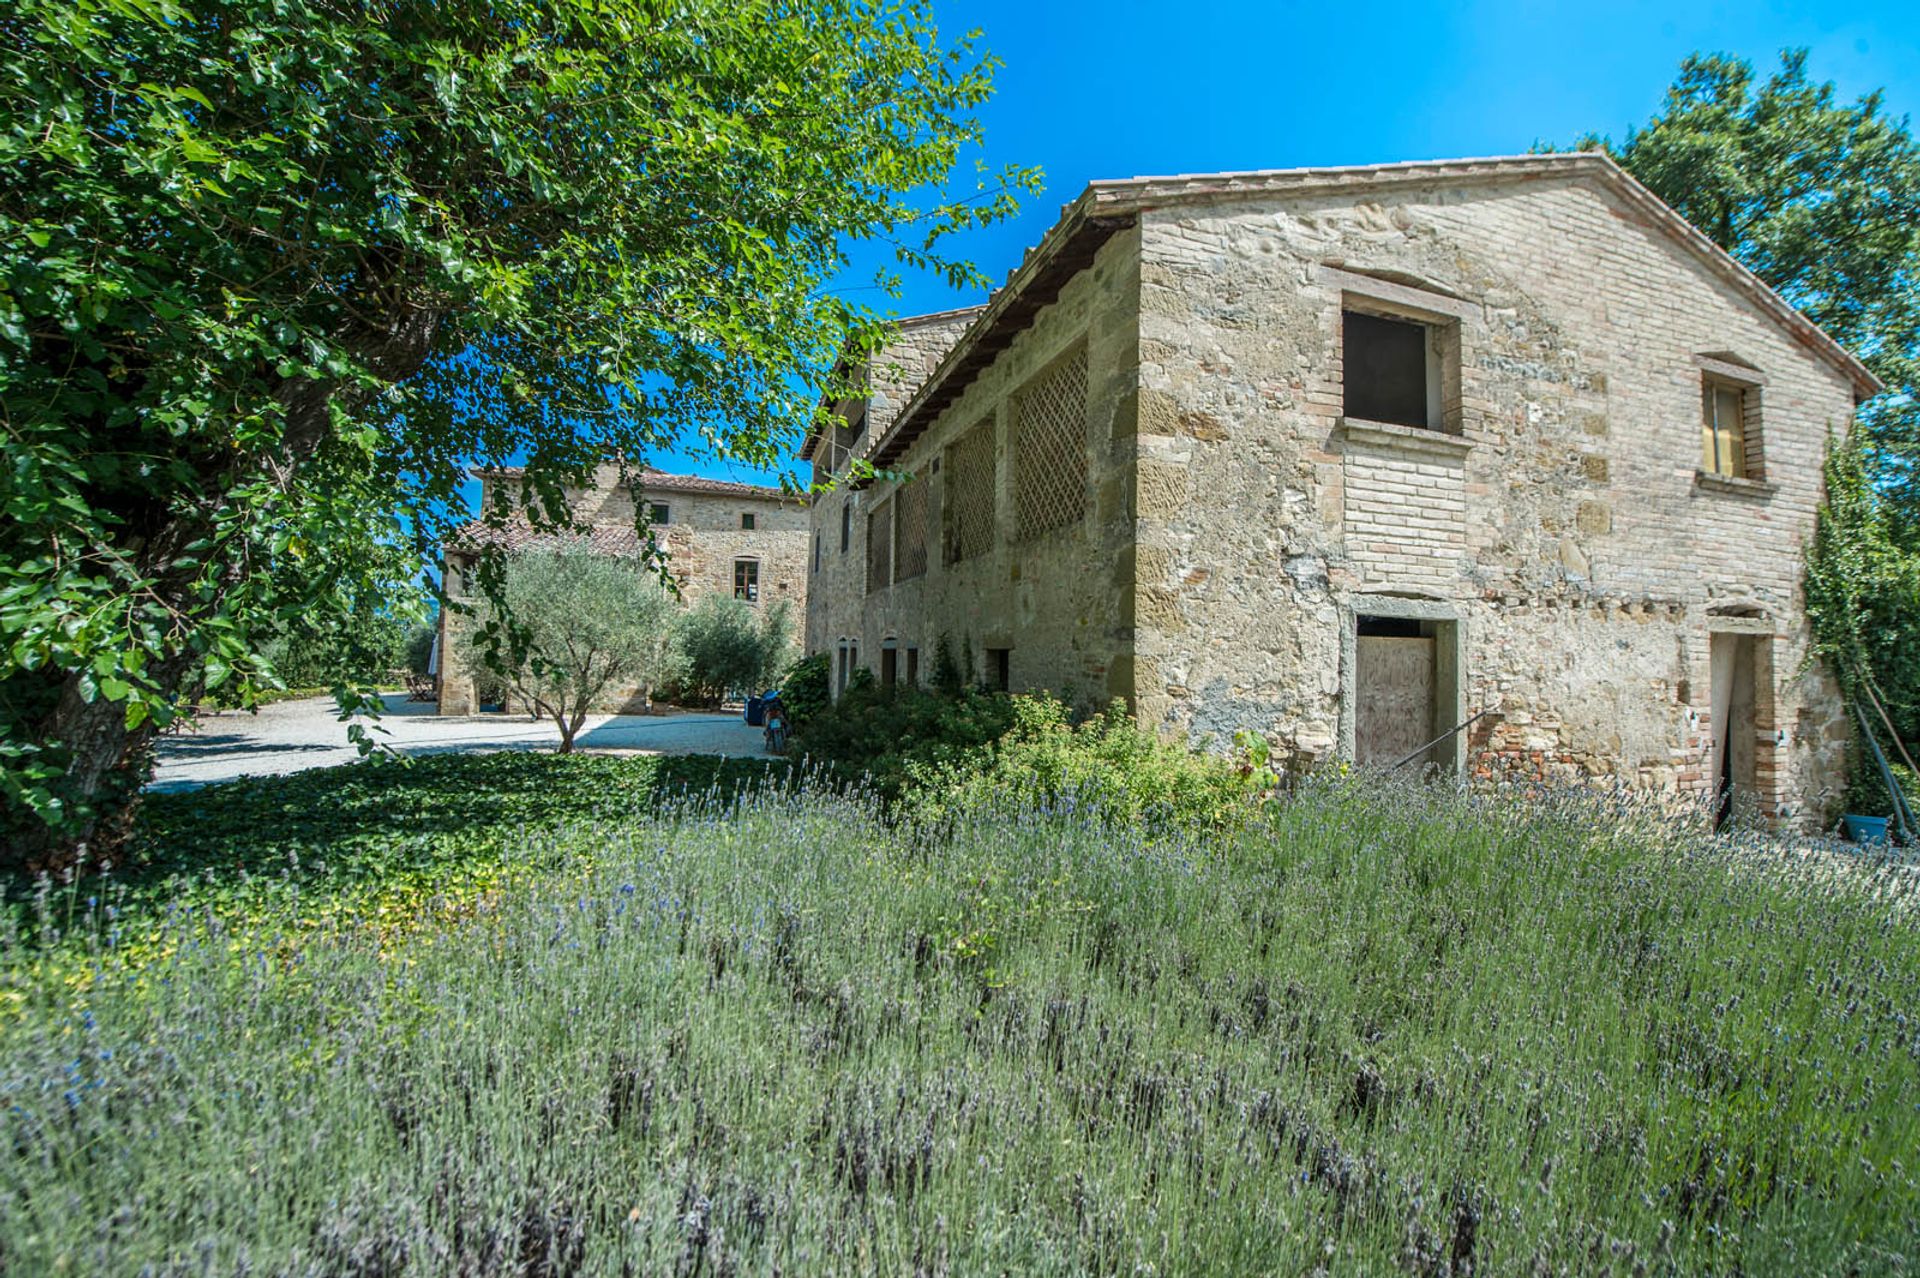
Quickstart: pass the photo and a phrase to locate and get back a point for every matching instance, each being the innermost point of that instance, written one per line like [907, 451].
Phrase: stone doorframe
[1449, 657]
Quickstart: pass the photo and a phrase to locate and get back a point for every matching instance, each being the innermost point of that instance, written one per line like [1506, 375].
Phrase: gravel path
[292, 736]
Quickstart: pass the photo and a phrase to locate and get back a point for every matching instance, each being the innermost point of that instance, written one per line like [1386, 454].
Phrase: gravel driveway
[292, 736]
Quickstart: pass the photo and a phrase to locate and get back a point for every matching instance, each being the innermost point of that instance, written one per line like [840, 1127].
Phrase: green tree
[727, 645]
[584, 624]
[1821, 199]
[269, 266]
[1863, 591]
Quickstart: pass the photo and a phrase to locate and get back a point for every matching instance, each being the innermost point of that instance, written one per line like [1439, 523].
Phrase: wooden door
[1393, 682]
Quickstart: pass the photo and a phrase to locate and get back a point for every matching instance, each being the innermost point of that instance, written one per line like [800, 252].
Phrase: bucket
[1866, 829]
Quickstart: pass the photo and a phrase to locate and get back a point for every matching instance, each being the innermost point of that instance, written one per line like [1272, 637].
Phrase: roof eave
[1122, 201]
[1065, 250]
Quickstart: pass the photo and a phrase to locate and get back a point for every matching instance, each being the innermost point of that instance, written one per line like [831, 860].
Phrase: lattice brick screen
[910, 530]
[1050, 448]
[880, 547]
[969, 507]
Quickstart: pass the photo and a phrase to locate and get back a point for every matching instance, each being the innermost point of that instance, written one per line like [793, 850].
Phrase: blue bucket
[1866, 829]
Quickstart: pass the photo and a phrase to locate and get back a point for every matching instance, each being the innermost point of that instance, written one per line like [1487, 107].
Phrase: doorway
[1395, 676]
[1735, 715]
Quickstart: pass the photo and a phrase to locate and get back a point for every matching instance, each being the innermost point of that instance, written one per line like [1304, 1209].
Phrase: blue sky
[1129, 87]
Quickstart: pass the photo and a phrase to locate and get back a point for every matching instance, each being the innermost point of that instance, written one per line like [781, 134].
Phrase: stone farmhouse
[1347, 457]
[720, 537]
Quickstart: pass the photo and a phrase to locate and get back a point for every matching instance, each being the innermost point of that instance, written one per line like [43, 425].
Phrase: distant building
[720, 537]
[1345, 457]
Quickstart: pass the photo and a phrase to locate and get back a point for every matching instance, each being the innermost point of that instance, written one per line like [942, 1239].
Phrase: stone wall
[1560, 527]
[838, 575]
[892, 377]
[1061, 602]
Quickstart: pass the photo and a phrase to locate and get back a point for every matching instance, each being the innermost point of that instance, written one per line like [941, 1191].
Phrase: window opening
[746, 521]
[913, 667]
[910, 531]
[1723, 429]
[1049, 429]
[1000, 669]
[846, 526]
[968, 523]
[880, 547]
[657, 513]
[1390, 371]
[746, 579]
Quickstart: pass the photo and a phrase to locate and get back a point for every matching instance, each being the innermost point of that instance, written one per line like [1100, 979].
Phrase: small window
[889, 667]
[816, 552]
[1390, 370]
[746, 580]
[880, 547]
[657, 513]
[1723, 428]
[1000, 669]
[846, 527]
[913, 667]
[746, 521]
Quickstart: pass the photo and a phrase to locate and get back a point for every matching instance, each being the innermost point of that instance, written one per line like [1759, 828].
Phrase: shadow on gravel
[386, 819]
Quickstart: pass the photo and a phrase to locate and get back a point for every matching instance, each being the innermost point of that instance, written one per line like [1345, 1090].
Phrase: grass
[1384, 1031]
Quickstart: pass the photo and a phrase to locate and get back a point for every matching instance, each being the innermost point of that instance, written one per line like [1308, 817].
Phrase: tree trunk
[108, 763]
[569, 724]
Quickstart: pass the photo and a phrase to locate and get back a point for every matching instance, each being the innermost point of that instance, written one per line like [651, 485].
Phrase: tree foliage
[1863, 591]
[271, 267]
[727, 645]
[586, 624]
[1818, 197]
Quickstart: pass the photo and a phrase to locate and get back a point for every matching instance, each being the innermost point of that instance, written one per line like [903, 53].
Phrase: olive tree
[586, 623]
[270, 269]
[727, 643]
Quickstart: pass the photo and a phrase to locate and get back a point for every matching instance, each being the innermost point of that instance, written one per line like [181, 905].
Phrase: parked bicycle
[776, 721]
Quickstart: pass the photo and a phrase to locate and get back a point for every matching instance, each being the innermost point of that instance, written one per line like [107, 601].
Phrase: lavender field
[1382, 1030]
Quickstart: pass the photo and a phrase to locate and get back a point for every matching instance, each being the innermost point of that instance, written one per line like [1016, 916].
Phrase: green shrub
[886, 734]
[1867, 790]
[807, 687]
[361, 649]
[1107, 766]
[420, 646]
[727, 645]
[1863, 589]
